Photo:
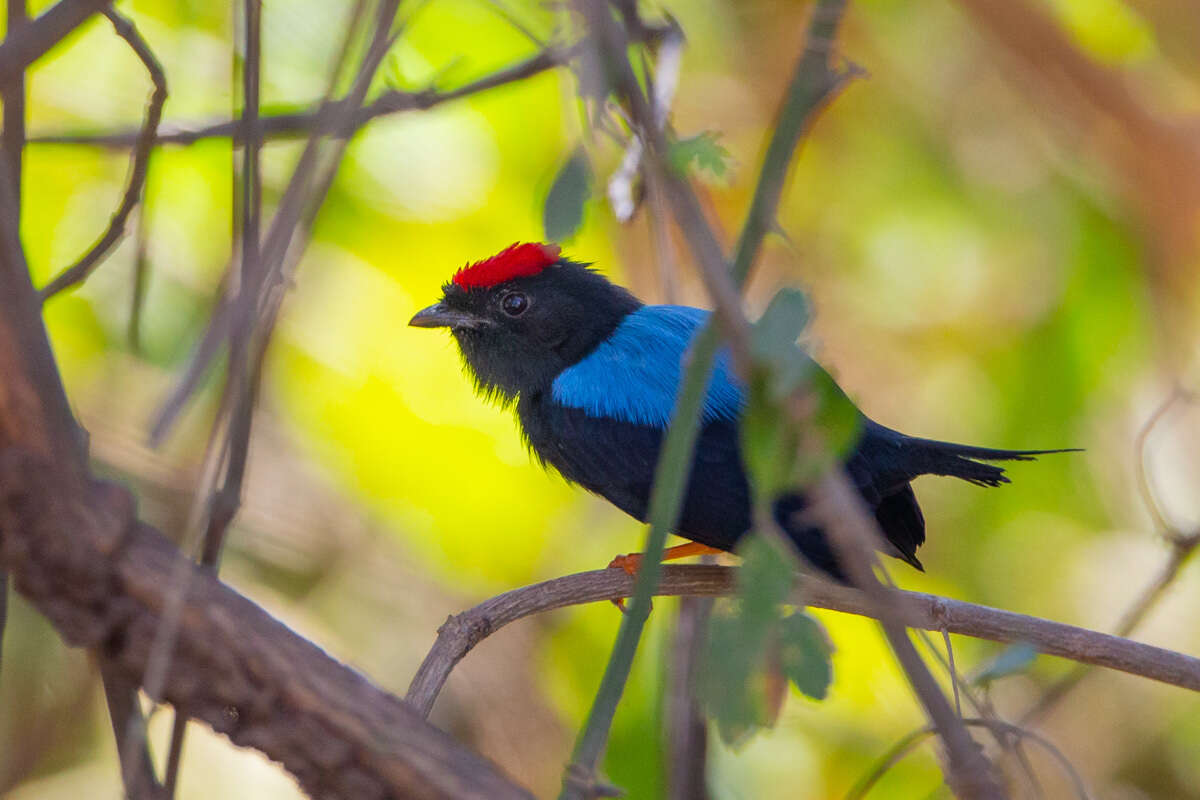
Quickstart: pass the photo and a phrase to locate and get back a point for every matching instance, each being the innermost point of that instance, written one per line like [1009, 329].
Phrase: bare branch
[13, 146]
[243, 379]
[103, 579]
[44, 32]
[1183, 545]
[686, 726]
[910, 742]
[248, 319]
[464, 631]
[79, 271]
[621, 194]
[129, 731]
[841, 513]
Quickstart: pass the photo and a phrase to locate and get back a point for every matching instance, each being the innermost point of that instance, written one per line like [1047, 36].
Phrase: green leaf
[563, 213]
[731, 695]
[838, 420]
[804, 652]
[701, 151]
[1011, 660]
[781, 324]
[769, 444]
[736, 677]
[764, 582]
[773, 343]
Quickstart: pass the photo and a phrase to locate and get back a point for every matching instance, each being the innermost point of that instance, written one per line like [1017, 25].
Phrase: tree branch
[13, 146]
[910, 742]
[313, 120]
[140, 163]
[464, 631]
[102, 578]
[49, 29]
[75, 549]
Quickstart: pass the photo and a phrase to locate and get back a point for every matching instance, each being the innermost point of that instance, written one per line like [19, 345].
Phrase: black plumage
[592, 373]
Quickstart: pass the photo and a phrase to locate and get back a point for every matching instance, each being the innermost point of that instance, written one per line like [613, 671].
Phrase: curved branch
[910, 742]
[304, 123]
[41, 34]
[462, 632]
[79, 271]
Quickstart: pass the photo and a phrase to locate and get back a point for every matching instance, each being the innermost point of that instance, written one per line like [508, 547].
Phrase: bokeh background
[998, 229]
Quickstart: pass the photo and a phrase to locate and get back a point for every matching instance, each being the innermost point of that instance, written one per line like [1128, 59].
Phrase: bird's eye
[514, 304]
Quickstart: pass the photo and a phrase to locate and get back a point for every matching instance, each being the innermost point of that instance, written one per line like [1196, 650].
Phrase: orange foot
[632, 562]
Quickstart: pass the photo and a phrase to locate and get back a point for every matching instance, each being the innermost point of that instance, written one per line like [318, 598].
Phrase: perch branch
[929, 612]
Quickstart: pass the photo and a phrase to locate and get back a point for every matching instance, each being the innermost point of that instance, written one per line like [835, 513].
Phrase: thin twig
[305, 123]
[953, 671]
[13, 145]
[464, 631]
[910, 742]
[686, 726]
[621, 192]
[840, 511]
[1183, 545]
[963, 689]
[298, 207]
[79, 271]
[141, 278]
[229, 437]
[44, 32]
[242, 382]
[129, 730]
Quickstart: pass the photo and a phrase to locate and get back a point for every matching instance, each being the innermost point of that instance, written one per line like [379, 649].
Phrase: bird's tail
[931, 457]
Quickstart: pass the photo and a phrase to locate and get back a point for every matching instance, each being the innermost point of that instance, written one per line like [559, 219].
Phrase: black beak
[439, 316]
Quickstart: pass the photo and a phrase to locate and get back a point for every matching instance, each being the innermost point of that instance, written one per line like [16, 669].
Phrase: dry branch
[102, 578]
[44, 32]
[140, 164]
[348, 120]
[930, 612]
[75, 549]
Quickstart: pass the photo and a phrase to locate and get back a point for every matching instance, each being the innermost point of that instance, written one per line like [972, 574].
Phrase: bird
[592, 373]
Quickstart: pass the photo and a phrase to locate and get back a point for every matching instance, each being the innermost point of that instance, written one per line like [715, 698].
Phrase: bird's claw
[629, 564]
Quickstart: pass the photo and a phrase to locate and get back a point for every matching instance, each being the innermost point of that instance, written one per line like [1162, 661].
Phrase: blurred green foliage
[976, 275]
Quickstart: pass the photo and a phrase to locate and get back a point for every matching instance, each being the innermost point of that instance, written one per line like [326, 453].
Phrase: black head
[523, 316]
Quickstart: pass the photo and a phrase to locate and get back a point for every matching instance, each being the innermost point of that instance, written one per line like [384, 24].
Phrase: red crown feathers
[516, 261]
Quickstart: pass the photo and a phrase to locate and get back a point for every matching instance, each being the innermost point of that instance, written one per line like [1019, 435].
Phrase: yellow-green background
[979, 270]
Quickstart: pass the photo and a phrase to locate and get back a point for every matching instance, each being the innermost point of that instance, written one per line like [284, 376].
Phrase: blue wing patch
[634, 375]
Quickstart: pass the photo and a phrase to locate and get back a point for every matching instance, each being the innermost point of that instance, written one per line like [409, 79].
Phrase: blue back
[634, 375]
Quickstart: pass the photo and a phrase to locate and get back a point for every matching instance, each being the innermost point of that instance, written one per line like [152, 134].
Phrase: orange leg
[632, 562]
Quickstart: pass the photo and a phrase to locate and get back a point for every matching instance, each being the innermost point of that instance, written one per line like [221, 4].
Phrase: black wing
[616, 460]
